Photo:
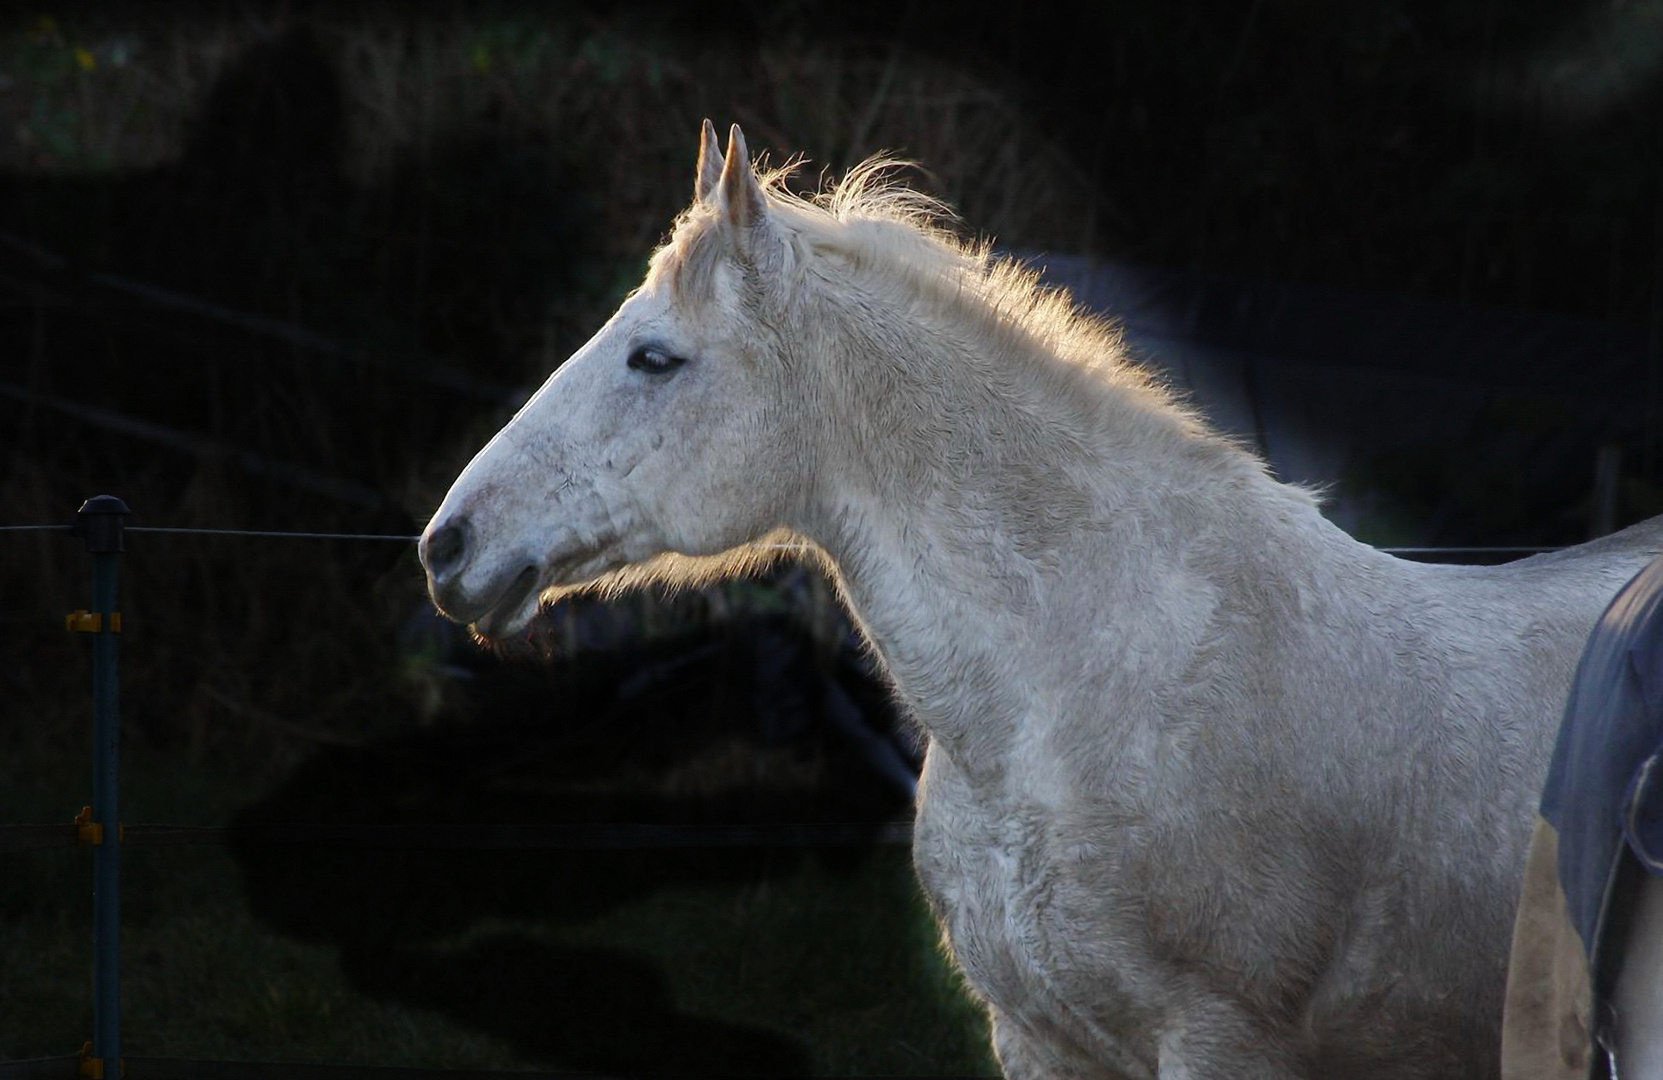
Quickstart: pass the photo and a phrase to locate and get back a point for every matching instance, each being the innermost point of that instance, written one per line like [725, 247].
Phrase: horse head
[668, 434]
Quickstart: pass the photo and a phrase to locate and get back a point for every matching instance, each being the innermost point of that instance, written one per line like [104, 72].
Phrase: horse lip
[507, 603]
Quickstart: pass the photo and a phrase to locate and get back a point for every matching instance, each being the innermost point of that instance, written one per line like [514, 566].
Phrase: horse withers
[1212, 789]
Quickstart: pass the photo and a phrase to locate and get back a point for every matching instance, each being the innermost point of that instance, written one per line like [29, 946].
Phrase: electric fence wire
[281, 534]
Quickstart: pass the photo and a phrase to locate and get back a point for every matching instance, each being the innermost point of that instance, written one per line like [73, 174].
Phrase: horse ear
[710, 164]
[741, 199]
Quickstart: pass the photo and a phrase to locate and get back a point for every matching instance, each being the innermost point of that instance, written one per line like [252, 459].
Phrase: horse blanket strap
[1599, 833]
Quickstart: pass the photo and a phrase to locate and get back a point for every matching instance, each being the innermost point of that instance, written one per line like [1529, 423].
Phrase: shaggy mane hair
[871, 225]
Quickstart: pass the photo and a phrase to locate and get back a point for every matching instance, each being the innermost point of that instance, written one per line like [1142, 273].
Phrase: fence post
[100, 521]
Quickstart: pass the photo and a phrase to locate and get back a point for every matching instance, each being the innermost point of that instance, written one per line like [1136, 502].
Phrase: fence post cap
[103, 504]
[100, 521]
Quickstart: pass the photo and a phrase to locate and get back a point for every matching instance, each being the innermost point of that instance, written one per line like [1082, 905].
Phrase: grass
[809, 965]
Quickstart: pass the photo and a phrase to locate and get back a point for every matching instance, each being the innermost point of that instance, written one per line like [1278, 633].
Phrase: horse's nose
[443, 549]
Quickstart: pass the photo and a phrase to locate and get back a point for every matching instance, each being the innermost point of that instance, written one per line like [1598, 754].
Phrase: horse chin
[503, 627]
[513, 611]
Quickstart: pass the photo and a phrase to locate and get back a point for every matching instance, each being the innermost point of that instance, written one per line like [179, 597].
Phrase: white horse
[1213, 790]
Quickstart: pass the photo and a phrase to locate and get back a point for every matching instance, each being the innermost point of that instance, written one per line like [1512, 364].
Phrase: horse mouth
[507, 613]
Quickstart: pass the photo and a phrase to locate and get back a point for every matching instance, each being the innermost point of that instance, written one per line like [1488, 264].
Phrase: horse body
[1212, 789]
[1297, 856]
[1198, 804]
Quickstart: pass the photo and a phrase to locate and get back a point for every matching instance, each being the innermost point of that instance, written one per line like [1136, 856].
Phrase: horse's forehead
[665, 306]
[697, 266]
[705, 294]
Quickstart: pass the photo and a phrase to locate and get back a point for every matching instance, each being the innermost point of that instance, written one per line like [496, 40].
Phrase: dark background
[288, 265]
[358, 327]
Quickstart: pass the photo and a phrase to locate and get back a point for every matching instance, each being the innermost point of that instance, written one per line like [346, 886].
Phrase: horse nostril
[443, 549]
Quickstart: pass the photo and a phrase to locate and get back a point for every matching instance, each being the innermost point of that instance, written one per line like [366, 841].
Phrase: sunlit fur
[872, 224]
[1212, 790]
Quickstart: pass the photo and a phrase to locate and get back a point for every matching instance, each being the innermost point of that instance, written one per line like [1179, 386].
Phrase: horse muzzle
[493, 599]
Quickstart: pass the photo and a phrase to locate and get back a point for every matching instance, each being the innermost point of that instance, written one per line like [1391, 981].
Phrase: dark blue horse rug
[1599, 837]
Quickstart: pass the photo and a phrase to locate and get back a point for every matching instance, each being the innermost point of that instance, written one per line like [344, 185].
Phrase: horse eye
[654, 361]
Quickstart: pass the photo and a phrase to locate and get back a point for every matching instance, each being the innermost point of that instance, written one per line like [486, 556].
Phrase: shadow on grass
[583, 1008]
[425, 928]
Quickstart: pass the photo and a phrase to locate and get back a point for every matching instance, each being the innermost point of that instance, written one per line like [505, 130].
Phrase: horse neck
[965, 489]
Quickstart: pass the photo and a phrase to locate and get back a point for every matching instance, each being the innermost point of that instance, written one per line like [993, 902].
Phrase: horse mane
[874, 223]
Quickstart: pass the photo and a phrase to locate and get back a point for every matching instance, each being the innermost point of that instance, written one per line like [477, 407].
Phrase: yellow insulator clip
[91, 622]
[88, 831]
[92, 1068]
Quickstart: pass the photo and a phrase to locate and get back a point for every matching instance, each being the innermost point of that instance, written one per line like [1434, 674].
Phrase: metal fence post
[100, 521]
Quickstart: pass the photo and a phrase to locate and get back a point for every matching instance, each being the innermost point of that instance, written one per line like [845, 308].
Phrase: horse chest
[1004, 893]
